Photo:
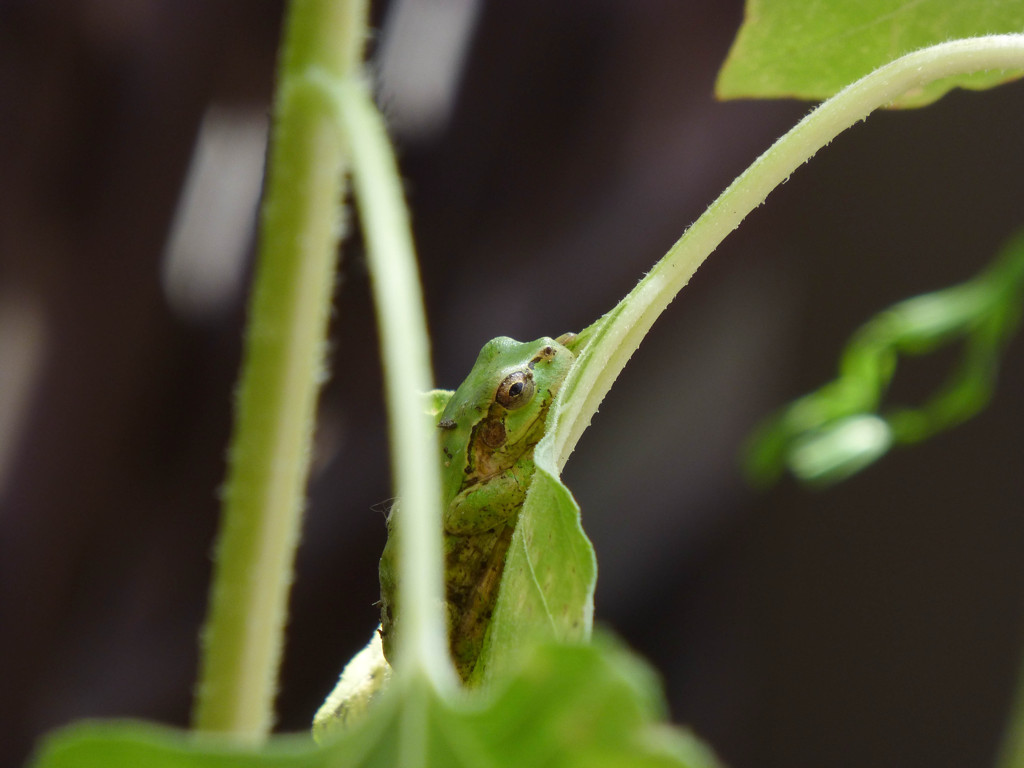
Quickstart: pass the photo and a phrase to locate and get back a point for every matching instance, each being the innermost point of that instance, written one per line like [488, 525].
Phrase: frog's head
[511, 386]
[528, 386]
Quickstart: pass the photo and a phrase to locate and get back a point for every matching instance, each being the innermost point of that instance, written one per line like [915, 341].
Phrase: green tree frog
[488, 430]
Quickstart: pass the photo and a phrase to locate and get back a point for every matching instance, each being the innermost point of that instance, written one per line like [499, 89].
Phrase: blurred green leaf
[843, 427]
[839, 450]
[570, 705]
[119, 744]
[810, 49]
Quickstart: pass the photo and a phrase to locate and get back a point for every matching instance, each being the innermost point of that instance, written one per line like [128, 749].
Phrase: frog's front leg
[487, 504]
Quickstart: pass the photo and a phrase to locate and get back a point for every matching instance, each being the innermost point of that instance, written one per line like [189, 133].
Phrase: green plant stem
[613, 339]
[407, 374]
[282, 369]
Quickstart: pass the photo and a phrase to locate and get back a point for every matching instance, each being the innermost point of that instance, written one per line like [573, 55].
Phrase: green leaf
[593, 706]
[547, 588]
[119, 744]
[811, 50]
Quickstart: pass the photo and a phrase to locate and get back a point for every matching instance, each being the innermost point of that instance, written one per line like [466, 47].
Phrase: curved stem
[405, 347]
[613, 339]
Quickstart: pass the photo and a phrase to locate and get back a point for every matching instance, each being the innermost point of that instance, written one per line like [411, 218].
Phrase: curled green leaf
[844, 426]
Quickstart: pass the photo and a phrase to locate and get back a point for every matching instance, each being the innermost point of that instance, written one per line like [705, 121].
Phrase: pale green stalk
[614, 338]
[407, 374]
[281, 373]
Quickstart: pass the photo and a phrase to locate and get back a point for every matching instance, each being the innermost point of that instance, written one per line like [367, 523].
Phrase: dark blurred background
[552, 152]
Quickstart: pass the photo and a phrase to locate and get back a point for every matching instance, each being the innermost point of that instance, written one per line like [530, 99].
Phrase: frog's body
[490, 426]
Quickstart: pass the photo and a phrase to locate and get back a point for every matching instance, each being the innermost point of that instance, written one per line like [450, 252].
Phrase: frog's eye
[516, 390]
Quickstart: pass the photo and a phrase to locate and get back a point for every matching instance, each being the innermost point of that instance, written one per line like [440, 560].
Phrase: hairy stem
[282, 368]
